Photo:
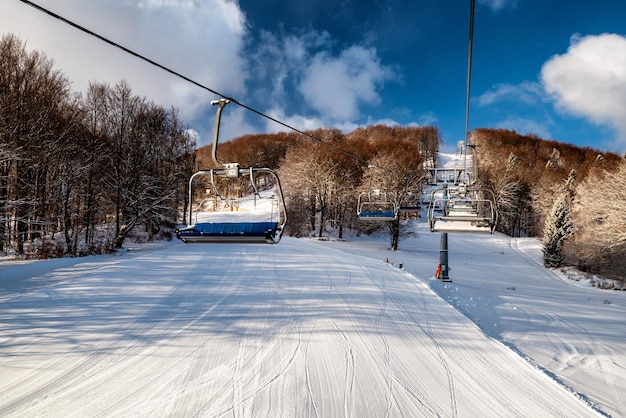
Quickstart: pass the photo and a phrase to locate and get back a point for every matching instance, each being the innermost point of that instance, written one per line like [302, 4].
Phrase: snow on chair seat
[223, 232]
[376, 206]
[462, 212]
[238, 182]
[461, 225]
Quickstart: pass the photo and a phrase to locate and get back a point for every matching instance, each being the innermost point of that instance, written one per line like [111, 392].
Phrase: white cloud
[201, 40]
[498, 5]
[589, 80]
[306, 123]
[427, 119]
[335, 86]
[162, 3]
[526, 127]
[276, 60]
[234, 124]
[526, 92]
[305, 69]
[300, 122]
[384, 122]
[314, 82]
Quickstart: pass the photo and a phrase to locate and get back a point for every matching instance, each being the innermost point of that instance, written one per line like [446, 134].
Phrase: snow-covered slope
[567, 328]
[310, 329]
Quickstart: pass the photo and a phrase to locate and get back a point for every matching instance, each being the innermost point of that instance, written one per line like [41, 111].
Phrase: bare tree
[94, 139]
[312, 172]
[399, 170]
[68, 164]
[512, 196]
[600, 241]
[32, 95]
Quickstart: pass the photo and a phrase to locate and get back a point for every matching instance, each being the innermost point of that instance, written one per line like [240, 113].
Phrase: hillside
[527, 172]
[529, 176]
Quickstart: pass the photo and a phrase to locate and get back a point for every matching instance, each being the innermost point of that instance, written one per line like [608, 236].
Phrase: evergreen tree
[558, 227]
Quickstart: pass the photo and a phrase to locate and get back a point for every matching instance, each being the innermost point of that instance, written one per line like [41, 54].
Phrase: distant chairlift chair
[463, 210]
[376, 206]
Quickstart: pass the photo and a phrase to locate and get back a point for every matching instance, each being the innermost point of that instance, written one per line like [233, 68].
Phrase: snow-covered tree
[68, 163]
[318, 183]
[600, 241]
[33, 101]
[398, 172]
[559, 225]
[570, 186]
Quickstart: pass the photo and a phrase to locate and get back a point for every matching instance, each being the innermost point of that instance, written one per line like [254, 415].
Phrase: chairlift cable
[469, 78]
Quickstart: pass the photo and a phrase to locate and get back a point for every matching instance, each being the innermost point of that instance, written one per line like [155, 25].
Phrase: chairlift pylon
[236, 231]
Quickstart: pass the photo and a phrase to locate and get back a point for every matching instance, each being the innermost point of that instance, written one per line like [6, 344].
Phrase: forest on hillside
[79, 173]
[323, 178]
[539, 182]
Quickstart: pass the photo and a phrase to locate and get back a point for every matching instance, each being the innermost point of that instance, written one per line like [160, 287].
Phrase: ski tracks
[280, 335]
[401, 395]
[261, 366]
[420, 398]
[124, 354]
[442, 358]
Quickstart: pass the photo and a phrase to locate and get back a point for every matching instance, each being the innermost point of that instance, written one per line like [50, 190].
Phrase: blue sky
[551, 68]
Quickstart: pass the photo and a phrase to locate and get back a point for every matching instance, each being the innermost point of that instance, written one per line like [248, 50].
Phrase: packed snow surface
[307, 328]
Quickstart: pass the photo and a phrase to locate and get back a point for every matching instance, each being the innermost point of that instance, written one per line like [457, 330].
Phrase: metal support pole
[443, 258]
[443, 243]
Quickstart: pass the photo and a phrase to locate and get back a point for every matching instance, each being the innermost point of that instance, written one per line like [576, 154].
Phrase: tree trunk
[394, 227]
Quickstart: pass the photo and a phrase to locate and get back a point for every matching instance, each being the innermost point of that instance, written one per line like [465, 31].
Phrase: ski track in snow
[297, 329]
[590, 380]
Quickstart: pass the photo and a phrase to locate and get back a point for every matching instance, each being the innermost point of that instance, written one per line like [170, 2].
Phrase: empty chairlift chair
[462, 210]
[376, 206]
[230, 232]
[238, 229]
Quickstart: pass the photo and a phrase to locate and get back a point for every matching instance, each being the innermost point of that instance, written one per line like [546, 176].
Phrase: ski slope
[307, 328]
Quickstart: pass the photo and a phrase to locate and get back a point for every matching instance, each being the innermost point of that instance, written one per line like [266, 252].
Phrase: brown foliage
[366, 142]
[253, 150]
[323, 172]
[599, 245]
[537, 167]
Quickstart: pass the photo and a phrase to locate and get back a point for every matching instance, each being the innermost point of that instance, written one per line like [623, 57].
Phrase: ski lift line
[469, 69]
[189, 80]
[469, 74]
